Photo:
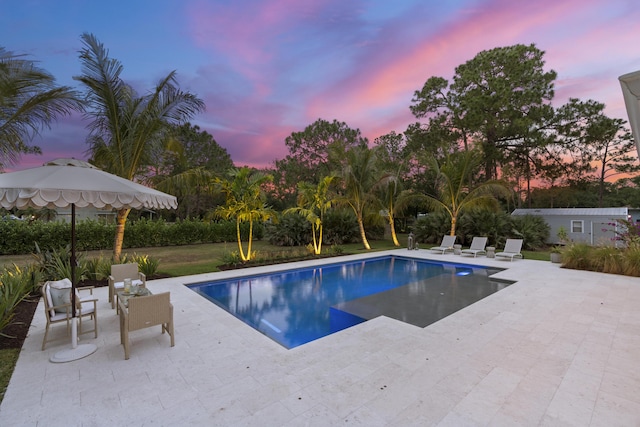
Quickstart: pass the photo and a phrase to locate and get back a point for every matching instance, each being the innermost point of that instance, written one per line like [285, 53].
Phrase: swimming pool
[294, 307]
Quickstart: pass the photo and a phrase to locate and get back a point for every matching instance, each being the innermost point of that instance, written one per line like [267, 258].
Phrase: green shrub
[231, 258]
[336, 250]
[92, 235]
[15, 284]
[431, 227]
[146, 264]
[55, 264]
[374, 226]
[340, 227]
[631, 261]
[98, 268]
[482, 222]
[18, 236]
[606, 259]
[532, 229]
[291, 230]
[577, 256]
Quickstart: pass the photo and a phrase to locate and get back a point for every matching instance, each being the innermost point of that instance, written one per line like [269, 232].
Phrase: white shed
[595, 226]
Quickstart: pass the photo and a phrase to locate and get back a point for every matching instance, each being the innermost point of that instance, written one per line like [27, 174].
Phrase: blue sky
[266, 69]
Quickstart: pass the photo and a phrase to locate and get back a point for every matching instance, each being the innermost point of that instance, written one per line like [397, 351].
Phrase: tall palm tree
[455, 190]
[390, 196]
[124, 126]
[313, 203]
[245, 201]
[29, 101]
[359, 178]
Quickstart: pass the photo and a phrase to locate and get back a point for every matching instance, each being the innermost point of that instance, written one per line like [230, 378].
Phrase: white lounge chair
[446, 245]
[477, 247]
[511, 249]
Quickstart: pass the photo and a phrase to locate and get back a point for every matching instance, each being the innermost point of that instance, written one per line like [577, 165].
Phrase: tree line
[490, 138]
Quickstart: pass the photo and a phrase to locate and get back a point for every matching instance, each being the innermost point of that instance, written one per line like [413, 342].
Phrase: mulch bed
[18, 329]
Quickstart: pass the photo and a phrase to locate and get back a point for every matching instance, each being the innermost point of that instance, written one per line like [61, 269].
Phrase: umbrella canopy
[54, 186]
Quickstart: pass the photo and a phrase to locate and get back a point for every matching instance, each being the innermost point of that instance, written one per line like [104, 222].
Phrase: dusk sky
[266, 68]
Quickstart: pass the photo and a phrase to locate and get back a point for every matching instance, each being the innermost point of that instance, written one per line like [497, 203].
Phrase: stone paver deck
[558, 348]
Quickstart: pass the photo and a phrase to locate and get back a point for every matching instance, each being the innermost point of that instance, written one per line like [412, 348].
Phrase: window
[577, 226]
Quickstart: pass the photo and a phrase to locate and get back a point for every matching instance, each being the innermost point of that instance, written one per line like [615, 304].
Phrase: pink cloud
[393, 71]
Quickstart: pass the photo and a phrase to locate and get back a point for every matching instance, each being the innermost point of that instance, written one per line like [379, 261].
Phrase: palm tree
[313, 202]
[245, 201]
[359, 177]
[124, 126]
[389, 195]
[29, 101]
[453, 180]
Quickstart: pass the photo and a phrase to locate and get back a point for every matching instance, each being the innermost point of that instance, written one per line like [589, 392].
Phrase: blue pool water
[295, 307]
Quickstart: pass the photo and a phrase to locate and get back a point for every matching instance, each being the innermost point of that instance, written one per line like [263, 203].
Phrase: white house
[106, 215]
[595, 226]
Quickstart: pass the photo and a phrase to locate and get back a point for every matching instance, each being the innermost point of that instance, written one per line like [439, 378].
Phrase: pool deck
[558, 348]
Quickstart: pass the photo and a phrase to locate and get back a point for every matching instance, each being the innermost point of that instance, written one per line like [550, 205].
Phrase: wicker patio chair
[145, 312]
[119, 272]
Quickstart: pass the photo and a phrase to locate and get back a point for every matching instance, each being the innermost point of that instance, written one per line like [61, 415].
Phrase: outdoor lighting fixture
[631, 90]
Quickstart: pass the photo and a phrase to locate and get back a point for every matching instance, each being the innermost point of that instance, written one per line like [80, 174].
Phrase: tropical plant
[532, 229]
[98, 268]
[456, 192]
[124, 126]
[147, 265]
[55, 264]
[390, 197]
[359, 177]
[245, 202]
[577, 256]
[314, 153]
[290, 230]
[431, 227]
[631, 261]
[606, 259]
[313, 203]
[15, 285]
[29, 101]
[481, 222]
[626, 231]
[340, 227]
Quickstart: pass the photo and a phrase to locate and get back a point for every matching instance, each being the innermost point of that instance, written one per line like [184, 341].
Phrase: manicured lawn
[205, 258]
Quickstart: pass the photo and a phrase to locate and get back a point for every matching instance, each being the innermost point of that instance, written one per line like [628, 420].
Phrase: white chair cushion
[58, 316]
[60, 291]
[47, 289]
[60, 284]
[87, 307]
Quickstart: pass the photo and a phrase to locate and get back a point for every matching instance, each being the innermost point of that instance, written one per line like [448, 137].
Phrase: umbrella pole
[76, 351]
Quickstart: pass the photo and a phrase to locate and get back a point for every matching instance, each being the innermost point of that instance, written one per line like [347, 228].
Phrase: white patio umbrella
[631, 92]
[63, 183]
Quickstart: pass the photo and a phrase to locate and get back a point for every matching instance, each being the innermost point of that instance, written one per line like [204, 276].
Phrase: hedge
[19, 237]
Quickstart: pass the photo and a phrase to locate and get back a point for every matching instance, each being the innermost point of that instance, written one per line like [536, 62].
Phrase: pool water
[294, 307]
